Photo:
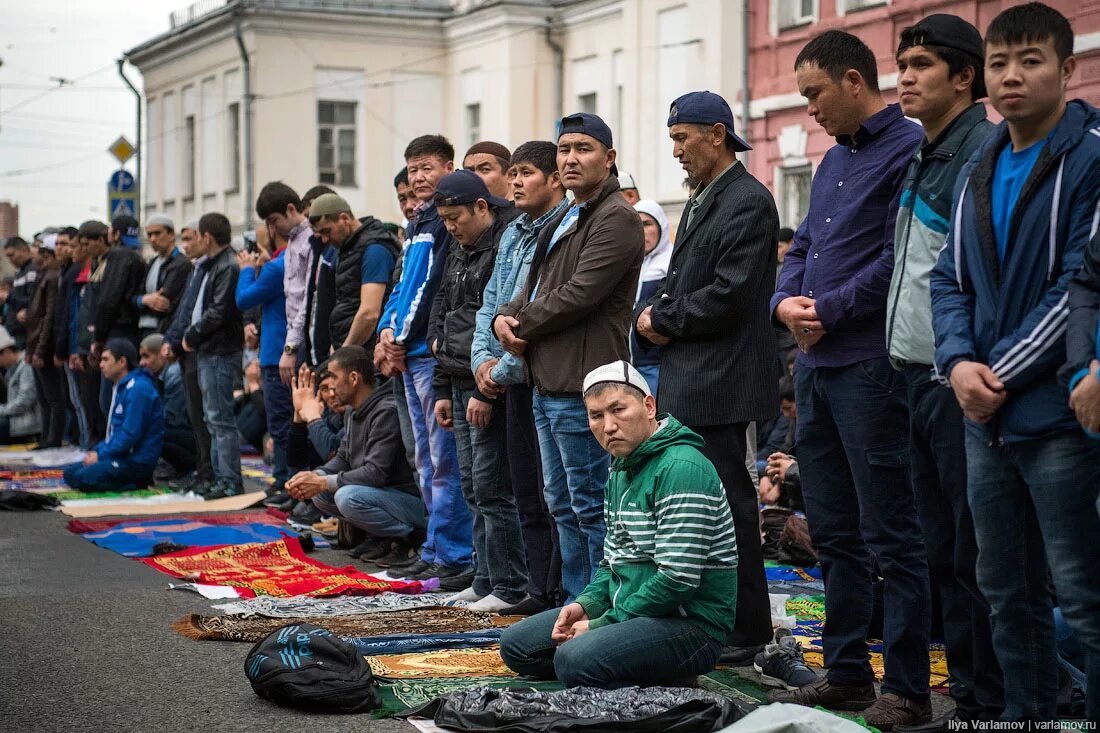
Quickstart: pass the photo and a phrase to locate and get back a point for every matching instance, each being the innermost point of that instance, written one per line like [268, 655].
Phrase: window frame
[781, 22]
[333, 175]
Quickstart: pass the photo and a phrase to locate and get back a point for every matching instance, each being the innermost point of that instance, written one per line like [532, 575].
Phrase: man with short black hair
[853, 416]
[572, 315]
[1025, 210]
[21, 258]
[366, 253]
[216, 334]
[368, 482]
[490, 161]
[406, 201]
[710, 318]
[940, 80]
[165, 277]
[126, 459]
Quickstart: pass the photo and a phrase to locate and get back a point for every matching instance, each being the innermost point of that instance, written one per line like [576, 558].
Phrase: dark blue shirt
[843, 253]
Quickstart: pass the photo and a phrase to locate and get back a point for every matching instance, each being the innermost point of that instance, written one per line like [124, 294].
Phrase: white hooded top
[655, 264]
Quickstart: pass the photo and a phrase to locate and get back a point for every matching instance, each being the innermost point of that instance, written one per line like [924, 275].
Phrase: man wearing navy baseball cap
[711, 317]
[475, 219]
[572, 316]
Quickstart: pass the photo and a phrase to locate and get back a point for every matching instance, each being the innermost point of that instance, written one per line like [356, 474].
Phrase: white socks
[489, 603]
[466, 596]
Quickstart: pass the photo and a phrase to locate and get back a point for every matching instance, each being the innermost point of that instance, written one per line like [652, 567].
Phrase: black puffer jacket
[454, 311]
[220, 330]
[349, 260]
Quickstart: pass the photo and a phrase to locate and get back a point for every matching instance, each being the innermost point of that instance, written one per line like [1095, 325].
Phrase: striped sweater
[670, 548]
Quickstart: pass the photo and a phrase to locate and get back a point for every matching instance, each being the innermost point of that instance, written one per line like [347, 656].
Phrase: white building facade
[339, 87]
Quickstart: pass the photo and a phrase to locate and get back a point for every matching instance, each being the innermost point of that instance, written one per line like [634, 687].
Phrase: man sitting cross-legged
[368, 482]
[663, 600]
[126, 459]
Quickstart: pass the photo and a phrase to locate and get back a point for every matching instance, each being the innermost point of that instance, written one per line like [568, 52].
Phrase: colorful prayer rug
[138, 538]
[275, 569]
[807, 608]
[407, 694]
[420, 621]
[80, 526]
[372, 646]
[484, 662]
[336, 606]
[808, 633]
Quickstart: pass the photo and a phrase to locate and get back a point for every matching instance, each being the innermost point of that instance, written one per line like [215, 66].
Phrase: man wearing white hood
[658, 251]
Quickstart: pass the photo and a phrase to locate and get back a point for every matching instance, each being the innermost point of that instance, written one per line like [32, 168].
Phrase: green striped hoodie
[670, 548]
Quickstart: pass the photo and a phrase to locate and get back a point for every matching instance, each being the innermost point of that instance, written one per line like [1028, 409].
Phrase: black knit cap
[948, 31]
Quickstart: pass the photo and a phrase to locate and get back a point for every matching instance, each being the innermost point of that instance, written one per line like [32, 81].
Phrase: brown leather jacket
[580, 317]
[40, 318]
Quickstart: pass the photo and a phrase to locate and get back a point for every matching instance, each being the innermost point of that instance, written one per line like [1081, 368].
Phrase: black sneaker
[457, 582]
[529, 606]
[407, 572]
[782, 664]
[402, 555]
[739, 656]
[306, 512]
[282, 501]
[365, 546]
[221, 491]
[380, 550]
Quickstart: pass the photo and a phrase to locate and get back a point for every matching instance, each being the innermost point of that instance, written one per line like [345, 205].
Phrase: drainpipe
[559, 71]
[745, 118]
[137, 139]
[246, 70]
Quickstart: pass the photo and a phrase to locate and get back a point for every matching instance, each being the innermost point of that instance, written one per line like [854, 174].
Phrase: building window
[587, 103]
[794, 13]
[233, 137]
[189, 157]
[473, 123]
[793, 184]
[851, 6]
[336, 143]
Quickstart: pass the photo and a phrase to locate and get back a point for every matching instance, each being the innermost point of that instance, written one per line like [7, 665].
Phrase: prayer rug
[807, 608]
[407, 643]
[181, 506]
[444, 663]
[420, 621]
[336, 606]
[138, 538]
[407, 694]
[728, 683]
[808, 633]
[80, 526]
[275, 569]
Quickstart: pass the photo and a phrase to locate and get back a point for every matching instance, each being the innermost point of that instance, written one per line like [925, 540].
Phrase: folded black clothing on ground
[13, 500]
[583, 710]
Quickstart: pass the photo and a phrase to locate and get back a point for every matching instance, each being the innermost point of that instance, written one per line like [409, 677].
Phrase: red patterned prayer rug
[80, 526]
[278, 569]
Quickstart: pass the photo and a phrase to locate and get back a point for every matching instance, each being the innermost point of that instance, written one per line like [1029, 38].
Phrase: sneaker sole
[773, 681]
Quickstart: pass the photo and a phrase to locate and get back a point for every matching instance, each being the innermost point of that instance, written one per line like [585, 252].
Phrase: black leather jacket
[220, 329]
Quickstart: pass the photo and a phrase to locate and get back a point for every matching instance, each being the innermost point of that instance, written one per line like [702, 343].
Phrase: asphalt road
[86, 646]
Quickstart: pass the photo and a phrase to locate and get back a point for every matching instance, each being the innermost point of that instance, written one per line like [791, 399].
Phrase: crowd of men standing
[426, 383]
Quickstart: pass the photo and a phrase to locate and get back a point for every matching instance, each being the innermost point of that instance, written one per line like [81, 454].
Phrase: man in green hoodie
[663, 600]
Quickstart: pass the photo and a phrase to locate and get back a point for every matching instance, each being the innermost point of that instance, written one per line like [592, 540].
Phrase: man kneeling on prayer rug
[663, 600]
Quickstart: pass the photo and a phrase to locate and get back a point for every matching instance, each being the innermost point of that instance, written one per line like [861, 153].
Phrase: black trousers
[179, 449]
[725, 447]
[938, 466]
[192, 393]
[89, 397]
[50, 381]
[540, 534]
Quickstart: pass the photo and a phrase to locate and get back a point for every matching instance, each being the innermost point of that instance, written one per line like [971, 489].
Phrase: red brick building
[787, 143]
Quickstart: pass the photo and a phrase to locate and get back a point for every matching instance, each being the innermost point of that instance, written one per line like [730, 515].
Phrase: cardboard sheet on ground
[228, 504]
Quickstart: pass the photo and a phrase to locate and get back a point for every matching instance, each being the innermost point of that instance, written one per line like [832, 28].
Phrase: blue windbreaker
[135, 428]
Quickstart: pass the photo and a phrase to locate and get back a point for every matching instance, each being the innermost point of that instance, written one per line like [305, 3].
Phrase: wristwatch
[289, 349]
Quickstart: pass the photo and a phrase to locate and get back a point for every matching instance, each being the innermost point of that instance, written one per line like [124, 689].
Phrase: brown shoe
[853, 698]
[892, 709]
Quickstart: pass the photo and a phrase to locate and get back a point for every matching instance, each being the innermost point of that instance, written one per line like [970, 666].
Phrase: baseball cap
[618, 372]
[626, 182]
[129, 229]
[6, 340]
[592, 125]
[705, 108]
[949, 31]
[49, 241]
[328, 204]
[464, 187]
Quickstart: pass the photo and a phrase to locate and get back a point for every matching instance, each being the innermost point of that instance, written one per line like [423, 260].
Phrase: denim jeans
[378, 512]
[853, 455]
[498, 544]
[642, 651]
[109, 475]
[218, 375]
[280, 411]
[1034, 506]
[574, 468]
[408, 438]
[938, 458]
[450, 526]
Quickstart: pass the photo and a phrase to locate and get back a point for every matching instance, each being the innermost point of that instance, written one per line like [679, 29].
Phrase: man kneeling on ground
[663, 600]
[127, 457]
[368, 482]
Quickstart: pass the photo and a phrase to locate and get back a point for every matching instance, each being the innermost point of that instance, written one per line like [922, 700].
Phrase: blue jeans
[280, 411]
[450, 526]
[1034, 507]
[498, 542]
[218, 375]
[378, 512]
[853, 454]
[574, 470]
[652, 374]
[109, 475]
[642, 651]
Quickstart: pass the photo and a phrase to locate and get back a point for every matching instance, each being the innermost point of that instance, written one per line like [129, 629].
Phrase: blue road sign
[120, 182]
[121, 205]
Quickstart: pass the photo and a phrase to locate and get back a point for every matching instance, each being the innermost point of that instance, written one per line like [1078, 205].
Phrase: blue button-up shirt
[513, 263]
[843, 253]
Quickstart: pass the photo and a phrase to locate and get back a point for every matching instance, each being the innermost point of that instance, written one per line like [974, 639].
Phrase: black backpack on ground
[304, 666]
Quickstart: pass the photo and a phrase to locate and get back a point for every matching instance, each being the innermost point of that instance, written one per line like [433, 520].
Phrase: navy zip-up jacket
[1012, 316]
[135, 429]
